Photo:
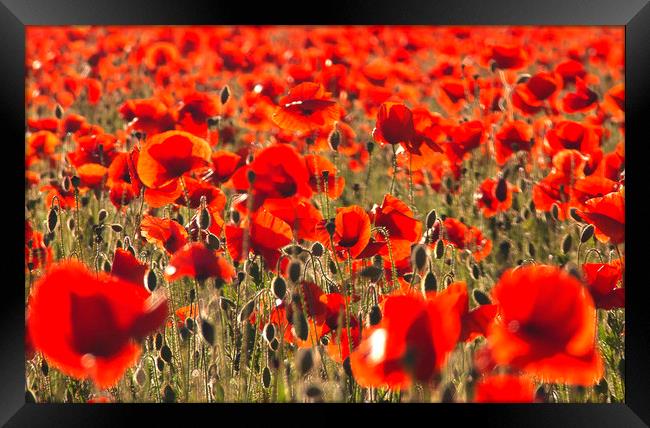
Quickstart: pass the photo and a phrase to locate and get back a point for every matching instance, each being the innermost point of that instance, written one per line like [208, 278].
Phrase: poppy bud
[212, 241]
[234, 216]
[58, 111]
[567, 243]
[71, 224]
[225, 94]
[476, 272]
[269, 332]
[184, 333]
[418, 257]
[213, 121]
[480, 297]
[523, 78]
[431, 219]
[334, 139]
[140, 377]
[370, 146]
[375, 315]
[225, 303]
[573, 212]
[254, 271]
[330, 226]
[332, 267]
[166, 354]
[314, 392]
[304, 361]
[204, 219]
[587, 233]
[440, 249]
[300, 324]
[52, 220]
[207, 331]
[294, 271]
[317, 249]
[168, 394]
[107, 266]
[66, 184]
[324, 341]
[555, 211]
[241, 276]
[45, 368]
[102, 215]
[158, 341]
[430, 282]
[501, 191]
[250, 175]
[373, 273]
[246, 311]
[504, 250]
[274, 344]
[449, 199]
[279, 287]
[266, 377]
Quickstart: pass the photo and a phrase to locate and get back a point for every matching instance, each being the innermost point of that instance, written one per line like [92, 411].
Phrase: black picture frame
[15, 15]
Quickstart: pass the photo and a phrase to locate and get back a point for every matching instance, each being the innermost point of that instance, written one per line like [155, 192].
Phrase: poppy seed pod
[573, 212]
[204, 219]
[140, 377]
[419, 257]
[246, 311]
[225, 303]
[166, 354]
[480, 297]
[207, 331]
[160, 364]
[107, 266]
[370, 146]
[76, 181]
[58, 111]
[567, 243]
[225, 94]
[317, 249]
[440, 249]
[555, 211]
[52, 220]
[250, 175]
[72, 224]
[501, 190]
[168, 394]
[269, 332]
[295, 271]
[304, 361]
[587, 233]
[279, 287]
[334, 139]
[431, 219]
[373, 273]
[158, 341]
[266, 377]
[116, 227]
[274, 344]
[150, 281]
[300, 324]
[102, 215]
[330, 226]
[430, 282]
[375, 315]
[235, 216]
[212, 241]
[475, 271]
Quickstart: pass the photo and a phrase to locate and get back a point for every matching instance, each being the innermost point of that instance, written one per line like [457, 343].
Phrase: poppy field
[324, 214]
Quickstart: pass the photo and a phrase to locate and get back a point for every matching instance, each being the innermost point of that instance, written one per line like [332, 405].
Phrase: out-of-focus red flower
[224, 165]
[607, 214]
[491, 201]
[602, 279]
[164, 233]
[334, 185]
[507, 56]
[582, 99]
[196, 261]
[530, 97]
[300, 214]
[150, 116]
[546, 326]
[195, 110]
[305, 108]
[570, 70]
[463, 138]
[464, 237]
[351, 232]
[395, 126]
[125, 266]
[168, 156]
[92, 175]
[511, 138]
[504, 389]
[87, 324]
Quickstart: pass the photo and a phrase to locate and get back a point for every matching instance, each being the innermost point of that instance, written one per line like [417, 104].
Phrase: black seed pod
[150, 281]
[567, 243]
[160, 364]
[45, 368]
[207, 331]
[332, 267]
[555, 211]
[587, 233]
[419, 257]
[52, 220]
[212, 241]
[204, 219]
[431, 219]
[279, 287]
[234, 216]
[304, 361]
[58, 111]
[102, 215]
[300, 324]
[246, 311]
[440, 249]
[266, 377]
[476, 272]
[330, 226]
[269, 332]
[375, 315]
[373, 273]
[225, 94]
[334, 139]
[225, 303]
[480, 297]
[107, 266]
[168, 394]
[166, 354]
[317, 249]
[294, 271]
[430, 282]
[158, 341]
[501, 191]
[76, 181]
[241, 276]
[274, 344]
[573, 212]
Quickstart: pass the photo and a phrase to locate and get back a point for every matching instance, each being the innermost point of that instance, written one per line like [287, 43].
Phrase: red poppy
[395, 126]
[122, 190]
[571, 135]
[511, 138]
[87, 324]
[463, 138]
[150, 116]
[92, 175]
[400, 223]
[196, 261]
[168, 156]
[301, 215]
[37, 253]
[582, 99]
[335, 184]
[411, 342]
[530, 96]
[489, 202]
[195, 111]
[507, 56]
[166, 234]
[607, 214]
[266, 234]
[465, 237]
[351, 233]
[570, 70]
[224, 165]
[125, 266]
[546, 326]
[94, 148]
[305, 108]
[280, 172]
[602, 279]
[504, 388]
